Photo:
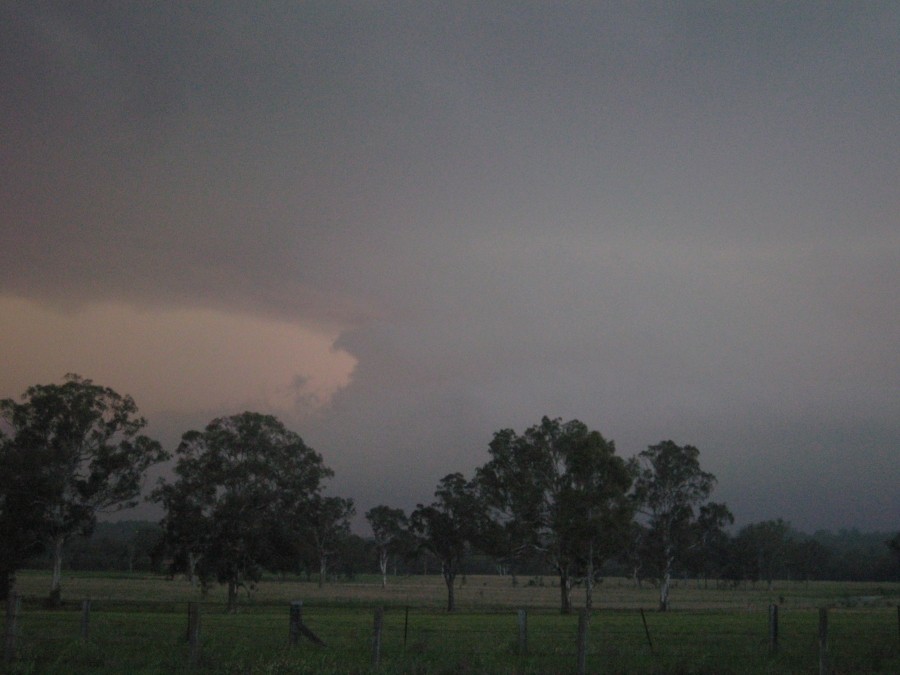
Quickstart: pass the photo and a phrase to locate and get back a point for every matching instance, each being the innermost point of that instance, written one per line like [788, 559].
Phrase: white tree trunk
[56, 579]
[383, 564]
[665, 583]
[192, 568]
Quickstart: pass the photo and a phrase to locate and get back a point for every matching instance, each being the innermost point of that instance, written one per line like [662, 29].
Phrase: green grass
[138, 625]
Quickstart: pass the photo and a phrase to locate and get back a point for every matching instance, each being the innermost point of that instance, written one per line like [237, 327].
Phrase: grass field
[138, 625]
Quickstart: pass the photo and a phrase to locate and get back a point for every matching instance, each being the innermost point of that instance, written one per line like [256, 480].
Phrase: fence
[88, 636]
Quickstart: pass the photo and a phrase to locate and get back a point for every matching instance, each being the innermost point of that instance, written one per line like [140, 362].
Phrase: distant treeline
[845, 555]
[248, 497]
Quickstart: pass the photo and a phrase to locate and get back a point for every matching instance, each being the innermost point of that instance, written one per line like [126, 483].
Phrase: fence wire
[154, 638]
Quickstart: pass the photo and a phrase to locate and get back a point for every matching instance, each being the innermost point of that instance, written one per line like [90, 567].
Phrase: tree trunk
[56, 580]
[449, 579]
[383, 564]
[589, 582]
[666, 580]
[565, 603]
[323, 569]
[7, 581]
[192, 569]
[232, 596]
[664, 590]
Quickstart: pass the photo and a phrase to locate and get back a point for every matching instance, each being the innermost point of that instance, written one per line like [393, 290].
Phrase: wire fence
[176, 637]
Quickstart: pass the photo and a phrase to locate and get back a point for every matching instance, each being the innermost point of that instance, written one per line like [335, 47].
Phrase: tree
[328, 525]
[94, 455]
[25, 493]
[235, 482]
[633, 555]
[187, 524]
[808, 558]
[389, 527]
[561, 491]
[669, 485]
[767, 547]
[449, 526]
[710, 552]
[894, 545]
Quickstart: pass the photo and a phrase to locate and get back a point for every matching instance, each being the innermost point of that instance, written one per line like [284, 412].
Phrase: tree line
[249, 496]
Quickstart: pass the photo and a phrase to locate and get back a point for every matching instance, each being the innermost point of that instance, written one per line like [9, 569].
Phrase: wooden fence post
[823, 641]
[85, 618]
[523, 631]
[582, 641]
[194, 632]
[376, 636]
[773, 628]
[13, 607]
[295, 621]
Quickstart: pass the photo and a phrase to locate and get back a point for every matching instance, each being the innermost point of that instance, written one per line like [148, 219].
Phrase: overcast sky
[401, 227]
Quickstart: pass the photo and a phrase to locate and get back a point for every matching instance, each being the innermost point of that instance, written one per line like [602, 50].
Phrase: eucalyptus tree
[92, 454]
[559, 490]
[25, 492]
[237, 482]
[389, 527]
[669, 487]
[449, 527]
[327, 524]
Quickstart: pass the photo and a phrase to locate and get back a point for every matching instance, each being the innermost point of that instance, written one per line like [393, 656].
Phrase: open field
[138, 624]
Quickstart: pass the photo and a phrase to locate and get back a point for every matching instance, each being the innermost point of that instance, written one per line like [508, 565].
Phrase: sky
[403, 226]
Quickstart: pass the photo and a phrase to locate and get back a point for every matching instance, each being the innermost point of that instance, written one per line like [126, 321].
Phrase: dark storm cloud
[673, 220]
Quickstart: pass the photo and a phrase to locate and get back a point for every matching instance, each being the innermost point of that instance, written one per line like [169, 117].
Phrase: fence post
[13, 607]
[376, 636]
[85, 618]
[773, 628]
[295, 621]
[523, 631]
[582, 641]
[823, 641]
[194, 632]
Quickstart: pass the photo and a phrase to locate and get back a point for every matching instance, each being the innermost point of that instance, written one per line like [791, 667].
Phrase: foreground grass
[138, 625]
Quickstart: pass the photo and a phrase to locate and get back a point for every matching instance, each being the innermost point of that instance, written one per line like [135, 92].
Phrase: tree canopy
[669, 487]
[389, 529]
[236, 480]
[450, 526]
[558, 491]
[91, 452]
